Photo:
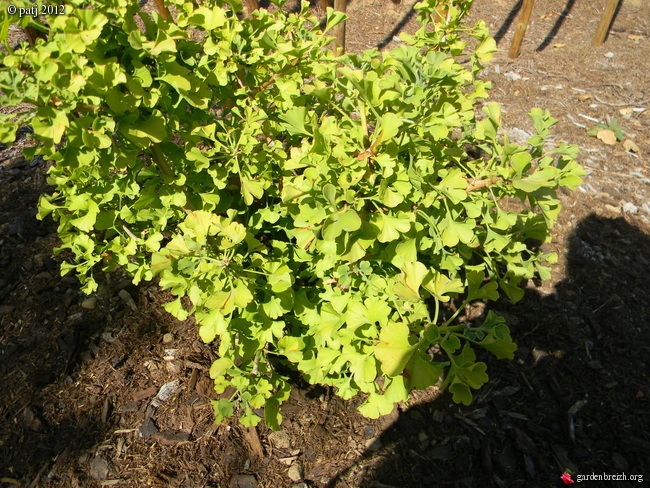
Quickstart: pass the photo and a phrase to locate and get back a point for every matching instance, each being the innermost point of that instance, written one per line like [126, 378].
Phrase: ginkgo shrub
[313, 211]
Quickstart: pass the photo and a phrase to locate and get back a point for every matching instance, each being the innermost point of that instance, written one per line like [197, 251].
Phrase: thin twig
[627, 104]
[544, 73]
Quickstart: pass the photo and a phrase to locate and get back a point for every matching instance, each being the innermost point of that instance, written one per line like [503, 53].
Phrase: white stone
[630, 208]
[295, 472]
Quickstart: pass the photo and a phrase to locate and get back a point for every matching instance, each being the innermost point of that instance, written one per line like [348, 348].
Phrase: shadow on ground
[575, 397]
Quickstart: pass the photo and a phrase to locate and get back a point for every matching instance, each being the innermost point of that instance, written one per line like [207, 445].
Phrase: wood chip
[629, 145]
[138, 396]
[106, 409]
[5, 309]
[253, 441]
[171, 437]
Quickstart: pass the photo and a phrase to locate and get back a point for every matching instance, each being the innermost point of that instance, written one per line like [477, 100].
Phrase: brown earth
[79, 376]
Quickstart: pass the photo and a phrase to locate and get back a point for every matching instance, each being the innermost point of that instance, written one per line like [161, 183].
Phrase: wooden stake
[33, 35]
[251, 5]
[522, 25]
[162, 9]
[340, 6]
[605, 22]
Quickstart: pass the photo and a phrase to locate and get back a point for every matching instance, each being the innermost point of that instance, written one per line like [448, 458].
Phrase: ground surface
[78, 377]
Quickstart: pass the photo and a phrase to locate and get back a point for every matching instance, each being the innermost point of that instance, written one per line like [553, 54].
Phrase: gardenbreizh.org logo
[568, 478]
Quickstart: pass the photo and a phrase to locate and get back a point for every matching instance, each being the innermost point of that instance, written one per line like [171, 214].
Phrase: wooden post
[522, 25]
[251, 5]
[605, 22]
[162, 9]
[33, 34]
[340, 6]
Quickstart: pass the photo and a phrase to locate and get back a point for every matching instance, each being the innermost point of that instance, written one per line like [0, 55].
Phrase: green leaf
[439, 285]
[485, 49]
[294, 121]
[407, 286]
[176, 309]
[223, 409]
[249, 419]
[392, 228]
[329, 192]
[455, 232]
[521, 162]
[292, 348]
[349, 221]
[50, 124]
[251, 190]
[394, 350]
[477, 292]
[453, 185]
[213, 324]
[421, 373]
[388, 128]
[543, 178]
[375, 406]
[208, 19]
[87, 222]
[144, 132]
[272, 415]
[405, 252]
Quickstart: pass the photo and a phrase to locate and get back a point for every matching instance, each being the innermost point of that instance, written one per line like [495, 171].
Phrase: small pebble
[280, 440]
[124, 295]
[243, 481]
[630, 208]
[512, 76]
[595, 364]
[373, 444]
[167, 338]
[295, 472]
[100, 468]
[89, 303]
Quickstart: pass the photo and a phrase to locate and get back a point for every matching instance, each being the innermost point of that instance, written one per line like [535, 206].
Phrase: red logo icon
[566, 477]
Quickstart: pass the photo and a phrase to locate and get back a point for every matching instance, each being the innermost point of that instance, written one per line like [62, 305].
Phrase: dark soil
[79, 376]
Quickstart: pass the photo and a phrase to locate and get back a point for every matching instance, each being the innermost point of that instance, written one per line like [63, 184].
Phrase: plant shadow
[575, 397]
[556, 26]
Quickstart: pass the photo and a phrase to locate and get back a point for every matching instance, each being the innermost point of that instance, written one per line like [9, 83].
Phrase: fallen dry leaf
[629, 145]
[607, 136]
[559, 46]
[625, 111]
[584, 97]
[635, 37]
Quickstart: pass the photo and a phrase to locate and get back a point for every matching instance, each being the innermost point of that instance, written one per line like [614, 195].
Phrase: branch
[476, 184]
